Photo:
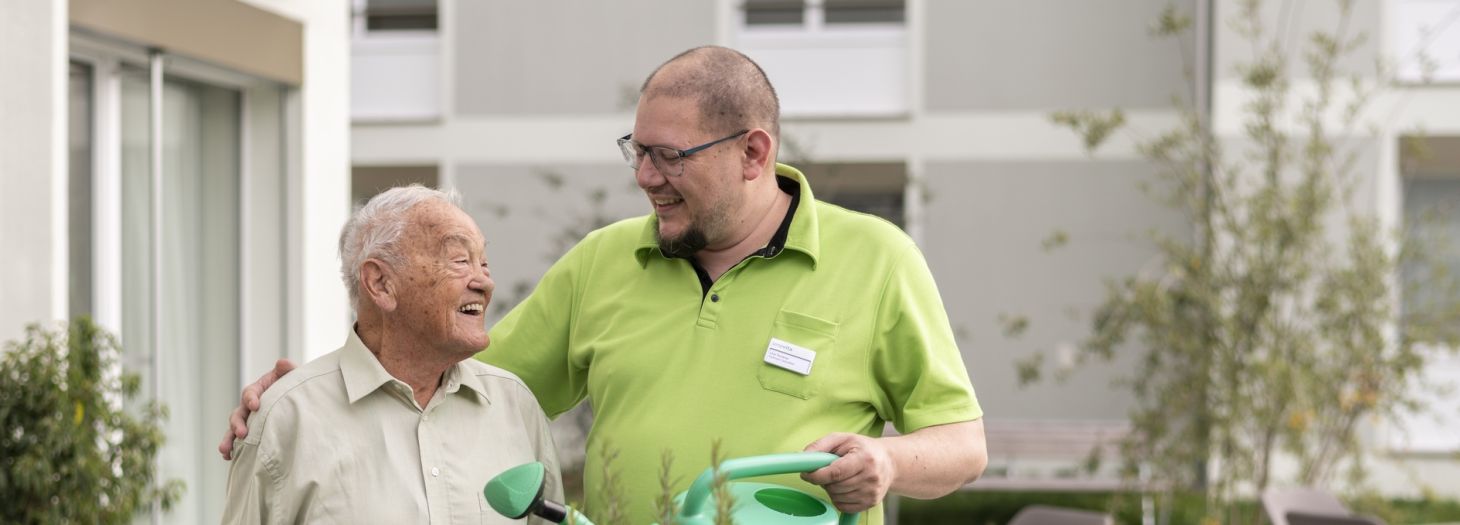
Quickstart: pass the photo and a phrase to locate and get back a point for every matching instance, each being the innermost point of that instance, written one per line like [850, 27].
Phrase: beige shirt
[341, 441]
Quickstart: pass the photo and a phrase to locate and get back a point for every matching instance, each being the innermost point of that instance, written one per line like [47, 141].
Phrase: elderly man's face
[447, 285]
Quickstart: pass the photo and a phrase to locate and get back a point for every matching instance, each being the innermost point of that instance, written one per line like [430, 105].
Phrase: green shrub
[69, 452]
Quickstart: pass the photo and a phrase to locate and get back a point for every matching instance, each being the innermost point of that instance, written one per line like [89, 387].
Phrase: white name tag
[790, 357]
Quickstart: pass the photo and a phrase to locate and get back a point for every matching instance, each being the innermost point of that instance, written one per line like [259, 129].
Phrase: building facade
[934, 114]
[178, 171]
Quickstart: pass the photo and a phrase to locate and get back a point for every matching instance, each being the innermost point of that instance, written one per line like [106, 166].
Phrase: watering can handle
[755, 466]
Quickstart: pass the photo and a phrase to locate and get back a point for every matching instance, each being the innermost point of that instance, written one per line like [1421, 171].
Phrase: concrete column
[33, 177]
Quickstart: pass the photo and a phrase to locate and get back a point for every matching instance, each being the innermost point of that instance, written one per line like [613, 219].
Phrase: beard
[685, 246]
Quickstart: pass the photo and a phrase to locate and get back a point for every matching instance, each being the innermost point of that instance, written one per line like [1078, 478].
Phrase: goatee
[683, 247]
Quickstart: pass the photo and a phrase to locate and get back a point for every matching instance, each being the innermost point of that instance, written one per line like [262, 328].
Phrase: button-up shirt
[342, 441]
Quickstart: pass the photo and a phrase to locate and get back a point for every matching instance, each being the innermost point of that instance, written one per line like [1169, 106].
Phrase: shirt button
[435, 472]
[714, 298]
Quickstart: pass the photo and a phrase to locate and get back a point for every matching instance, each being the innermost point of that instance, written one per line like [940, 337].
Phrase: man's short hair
[374, 230]
[732, 91]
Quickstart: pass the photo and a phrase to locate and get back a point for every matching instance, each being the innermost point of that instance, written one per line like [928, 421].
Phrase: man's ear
[759, 157]
[378, 284]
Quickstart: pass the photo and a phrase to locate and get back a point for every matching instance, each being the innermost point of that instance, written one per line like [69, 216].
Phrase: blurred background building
[258, 123]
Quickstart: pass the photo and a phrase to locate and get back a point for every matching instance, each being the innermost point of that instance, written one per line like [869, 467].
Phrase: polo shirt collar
[803, 236]
[363, 373]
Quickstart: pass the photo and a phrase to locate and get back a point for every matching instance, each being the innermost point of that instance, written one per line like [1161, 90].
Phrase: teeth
[665, 202]
[471, 308]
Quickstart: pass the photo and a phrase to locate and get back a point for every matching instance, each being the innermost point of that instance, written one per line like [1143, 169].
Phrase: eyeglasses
[667, 160]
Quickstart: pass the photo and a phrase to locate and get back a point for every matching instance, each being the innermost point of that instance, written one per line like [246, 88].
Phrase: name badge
[790, 357]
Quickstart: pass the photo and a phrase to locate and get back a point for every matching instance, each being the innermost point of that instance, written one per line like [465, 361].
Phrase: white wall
[33, 173]
[320, 189]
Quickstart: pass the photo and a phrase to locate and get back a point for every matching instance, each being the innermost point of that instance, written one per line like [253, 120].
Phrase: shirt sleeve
[547, 454]
[915, 363]
[247, 500]
[533, 340]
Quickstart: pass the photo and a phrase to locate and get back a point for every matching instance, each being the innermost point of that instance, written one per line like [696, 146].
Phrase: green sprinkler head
[517, 492]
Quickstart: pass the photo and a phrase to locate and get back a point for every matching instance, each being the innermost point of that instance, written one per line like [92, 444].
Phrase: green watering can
[517, 493]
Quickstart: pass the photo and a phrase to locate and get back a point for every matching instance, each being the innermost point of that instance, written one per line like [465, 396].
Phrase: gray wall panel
[1292, 24]
[571, 57]
[986, 222]
[532, 214]
[1046, 54]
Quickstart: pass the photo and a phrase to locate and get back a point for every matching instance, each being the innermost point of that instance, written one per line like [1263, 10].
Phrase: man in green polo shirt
[743, 310]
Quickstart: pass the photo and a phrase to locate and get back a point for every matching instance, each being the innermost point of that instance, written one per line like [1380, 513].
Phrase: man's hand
[247, 404]
[861, 478]
[927, 463]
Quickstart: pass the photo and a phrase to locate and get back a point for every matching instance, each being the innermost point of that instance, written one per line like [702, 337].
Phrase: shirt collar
[803, 235]
[363, 373]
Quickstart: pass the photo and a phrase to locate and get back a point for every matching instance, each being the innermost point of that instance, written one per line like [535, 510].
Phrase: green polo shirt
[670, 367]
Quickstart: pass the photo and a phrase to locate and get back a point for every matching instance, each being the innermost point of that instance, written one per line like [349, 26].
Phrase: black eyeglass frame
[632, 150]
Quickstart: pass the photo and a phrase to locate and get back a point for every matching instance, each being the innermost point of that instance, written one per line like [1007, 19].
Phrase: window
[158, 252]
[399, 15]
[1431, 195]
[79, 128]
[876, 188]
[816, 14]
[831, 58]
[369, 181]
[395, 61]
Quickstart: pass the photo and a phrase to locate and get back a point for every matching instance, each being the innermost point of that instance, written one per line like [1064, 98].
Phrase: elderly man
[743, 309]
[398, 426]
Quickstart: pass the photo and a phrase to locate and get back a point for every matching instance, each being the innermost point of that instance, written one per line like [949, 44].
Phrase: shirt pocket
[805, 331]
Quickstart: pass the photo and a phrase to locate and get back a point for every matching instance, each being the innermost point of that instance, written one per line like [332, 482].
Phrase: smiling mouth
[472, 309]
[665, 202]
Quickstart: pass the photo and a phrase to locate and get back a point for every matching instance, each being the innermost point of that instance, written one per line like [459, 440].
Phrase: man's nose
[648, 175]
[483, 280]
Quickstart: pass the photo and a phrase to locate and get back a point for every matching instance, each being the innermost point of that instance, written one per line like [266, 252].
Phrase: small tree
[1268, 331]
[69, 453]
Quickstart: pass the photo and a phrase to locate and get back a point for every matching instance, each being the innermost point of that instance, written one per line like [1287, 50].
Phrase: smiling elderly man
[398, 426]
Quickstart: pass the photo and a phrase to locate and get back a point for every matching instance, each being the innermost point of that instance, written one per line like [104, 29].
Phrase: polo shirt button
[435, 472]
[714, 298]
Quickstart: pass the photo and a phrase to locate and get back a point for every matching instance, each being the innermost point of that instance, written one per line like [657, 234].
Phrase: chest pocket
[807, 332]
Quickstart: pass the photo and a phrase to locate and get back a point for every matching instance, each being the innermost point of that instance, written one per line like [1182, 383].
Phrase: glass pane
[877, 188]
[864, 12]
[774, 12]
[369, 181]
[136, 227]
[198, 342]
[391, 15]
[80, 205]
[1432, 220]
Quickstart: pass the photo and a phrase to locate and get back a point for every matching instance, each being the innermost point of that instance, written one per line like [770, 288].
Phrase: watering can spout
[518, 492]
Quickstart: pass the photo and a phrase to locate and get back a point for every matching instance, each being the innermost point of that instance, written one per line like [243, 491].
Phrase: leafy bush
[69, 452]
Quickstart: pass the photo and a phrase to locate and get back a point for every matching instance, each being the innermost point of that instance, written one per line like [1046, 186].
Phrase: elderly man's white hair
[374, 230]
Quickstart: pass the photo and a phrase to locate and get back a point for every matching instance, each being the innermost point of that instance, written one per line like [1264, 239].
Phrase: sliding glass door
[158, 249]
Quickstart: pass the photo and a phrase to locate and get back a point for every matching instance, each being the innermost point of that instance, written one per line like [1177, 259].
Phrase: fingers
[838, 471]
[859, 479]
[248, 402]
[854, 496]
[830, 442]
[251, 395]
[225, 447]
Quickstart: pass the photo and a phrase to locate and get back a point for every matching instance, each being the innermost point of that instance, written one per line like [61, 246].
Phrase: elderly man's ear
[379, 284]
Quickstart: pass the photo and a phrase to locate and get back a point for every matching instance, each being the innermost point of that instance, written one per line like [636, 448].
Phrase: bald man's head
[731, 90]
